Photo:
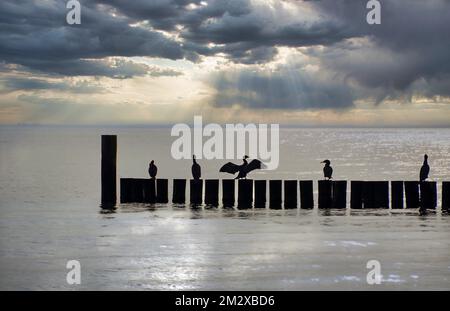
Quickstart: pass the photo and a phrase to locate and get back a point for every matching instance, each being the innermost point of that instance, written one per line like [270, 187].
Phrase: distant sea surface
[50, 214]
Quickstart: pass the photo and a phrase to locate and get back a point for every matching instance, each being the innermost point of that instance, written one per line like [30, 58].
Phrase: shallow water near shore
[49, 208]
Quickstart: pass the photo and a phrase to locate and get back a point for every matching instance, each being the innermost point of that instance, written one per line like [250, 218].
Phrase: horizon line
[168, 125]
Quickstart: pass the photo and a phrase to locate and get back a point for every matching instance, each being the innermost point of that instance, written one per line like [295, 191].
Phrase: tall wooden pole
[109, 170]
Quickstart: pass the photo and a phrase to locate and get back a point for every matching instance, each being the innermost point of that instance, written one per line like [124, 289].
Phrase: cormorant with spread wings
[243, 169]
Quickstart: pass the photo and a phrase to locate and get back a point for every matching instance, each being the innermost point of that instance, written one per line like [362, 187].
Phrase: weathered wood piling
[108, 171]
[397, 194]
[196, 191]
[446, 195]
[149, 190]
[212, 192]
[245, 193]
[162, 191]
[179, 191]
[275, 194]
[376, 194]
[260, 194]
[138, 190]
[339, 194]
[369, 194]
[325, 194]
[428, 195]
[306, 194]
[356, 194]
[228, 192]
[290, 194]
[332, 194]
[412, 194]
[125, 189]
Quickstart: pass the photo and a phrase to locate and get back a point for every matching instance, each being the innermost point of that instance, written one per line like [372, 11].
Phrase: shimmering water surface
[49, 214]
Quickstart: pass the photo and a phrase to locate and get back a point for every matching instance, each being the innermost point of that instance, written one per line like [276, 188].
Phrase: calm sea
[49, 214]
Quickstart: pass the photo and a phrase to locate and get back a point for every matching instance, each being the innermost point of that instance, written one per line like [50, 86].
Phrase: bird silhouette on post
[425, 169]
[327, 170]
[196, 169]
[152, 169]
[243, 169]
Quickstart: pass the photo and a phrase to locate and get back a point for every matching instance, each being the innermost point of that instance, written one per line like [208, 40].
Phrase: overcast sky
[306, 63]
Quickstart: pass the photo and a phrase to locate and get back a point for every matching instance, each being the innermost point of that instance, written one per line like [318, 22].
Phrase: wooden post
[125, 189]
[428, 195]
[139, 184]
[260, 194]
[340, 194]
[325, 194]
[446, 195]
[381, 194]
[212, 192]
[412, 194]
[162, 195]
[356, 194]
[228, 192]
[368, 194]
[306, 194]
[196, 191]
[179, 191]
[275, 194]
[109, 171]
[397, 194]
[136, 191]
[290, 194]
[245, 193]
[149, 191]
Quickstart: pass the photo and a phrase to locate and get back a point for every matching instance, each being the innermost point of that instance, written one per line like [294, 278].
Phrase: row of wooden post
[253, 193]
[332, 194]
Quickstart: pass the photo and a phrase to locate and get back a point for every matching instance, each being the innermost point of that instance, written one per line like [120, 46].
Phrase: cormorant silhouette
[243, 169]
[196, 169]
[425, 169]
[152, 169]
[327, 169]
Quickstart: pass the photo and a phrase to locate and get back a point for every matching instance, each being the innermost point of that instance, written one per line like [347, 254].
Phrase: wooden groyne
[253, 193]
[290, 194]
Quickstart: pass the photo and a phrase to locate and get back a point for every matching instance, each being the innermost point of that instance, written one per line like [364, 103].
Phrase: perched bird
[152, 169]
[425, 169]
[243, 169]
[327, 169]
[196, 169]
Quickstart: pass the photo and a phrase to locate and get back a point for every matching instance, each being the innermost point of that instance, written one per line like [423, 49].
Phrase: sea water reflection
[194, 248]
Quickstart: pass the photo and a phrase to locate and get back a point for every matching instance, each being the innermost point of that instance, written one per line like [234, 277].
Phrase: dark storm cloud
[167, 14]
[411, 45]
[249, 33]
[34, 34]
[404, 56]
